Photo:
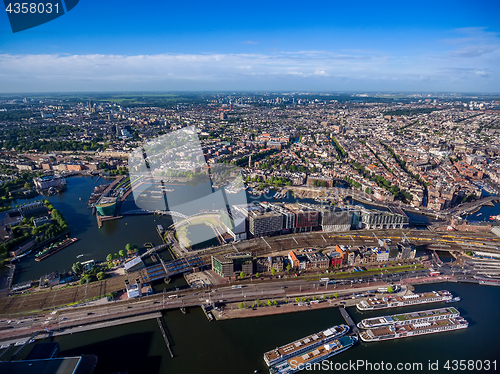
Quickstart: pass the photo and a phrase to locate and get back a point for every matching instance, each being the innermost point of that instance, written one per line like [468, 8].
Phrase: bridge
[158, 212]
[154, 249]
[470, 207]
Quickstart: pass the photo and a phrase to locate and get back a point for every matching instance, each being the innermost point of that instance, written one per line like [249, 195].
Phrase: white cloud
[300, 70]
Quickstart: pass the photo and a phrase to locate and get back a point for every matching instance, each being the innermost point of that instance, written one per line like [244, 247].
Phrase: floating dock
[349, 320]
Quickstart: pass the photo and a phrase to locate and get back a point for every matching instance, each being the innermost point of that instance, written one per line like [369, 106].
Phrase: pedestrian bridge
[159, 212]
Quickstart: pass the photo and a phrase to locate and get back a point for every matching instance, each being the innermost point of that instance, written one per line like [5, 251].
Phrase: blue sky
[111, 45]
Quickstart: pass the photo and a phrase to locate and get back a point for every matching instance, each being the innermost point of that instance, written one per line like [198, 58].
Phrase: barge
[54, 248]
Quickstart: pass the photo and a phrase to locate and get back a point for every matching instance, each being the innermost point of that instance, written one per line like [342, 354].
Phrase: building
[133, 290]
[345, 252]
[43, 183]
[335, 259]
[306, 219]
[265, 264]
[232, 264]
[235, 224]
[50, 280]
[288, 216]
[134, 264]
[318, 260]
[334, 220]
[407, 251]
[373, 219]
[33, 209]
[383, 255]
[262, 222]
[294, 261]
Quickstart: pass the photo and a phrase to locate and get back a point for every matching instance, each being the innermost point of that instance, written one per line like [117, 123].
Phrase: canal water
[237, 346]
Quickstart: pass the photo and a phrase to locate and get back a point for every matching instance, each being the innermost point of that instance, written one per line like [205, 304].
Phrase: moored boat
[297, 347]
[54, 248]
[306, 359]
[413, 329]
[409, 318]
[389, 301]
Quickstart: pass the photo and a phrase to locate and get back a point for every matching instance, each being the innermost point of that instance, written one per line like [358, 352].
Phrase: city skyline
[445, 47]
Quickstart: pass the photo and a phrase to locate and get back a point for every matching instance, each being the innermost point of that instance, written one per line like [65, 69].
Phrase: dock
[209, 314]
[165, 337]
[349, 320]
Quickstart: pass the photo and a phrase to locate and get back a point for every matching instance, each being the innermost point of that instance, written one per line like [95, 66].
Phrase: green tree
[109, 257]
[335, 295]
[121, 252]
[390, 289]
[257, 275]
[101, 275]
[128, 247]
[288, 267]
[269, 302]
[77, 268]
[275, 302]
[297, 299]
[242, 275]
[241, 306]
[136, 249]
[273, 271]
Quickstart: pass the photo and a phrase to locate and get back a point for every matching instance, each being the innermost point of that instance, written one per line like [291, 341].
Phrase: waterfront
[95, 243]
[238, 345]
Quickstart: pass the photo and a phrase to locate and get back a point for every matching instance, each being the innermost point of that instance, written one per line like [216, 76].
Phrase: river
[237, 346]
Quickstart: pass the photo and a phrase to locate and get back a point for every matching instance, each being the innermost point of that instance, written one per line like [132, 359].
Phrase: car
[63, 319]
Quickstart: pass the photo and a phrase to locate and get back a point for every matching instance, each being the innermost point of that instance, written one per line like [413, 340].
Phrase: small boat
[183, 310]
[454, 300]
[80, 256]
[479, 214]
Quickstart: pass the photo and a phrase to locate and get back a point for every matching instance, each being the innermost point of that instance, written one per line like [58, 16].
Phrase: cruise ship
[409, 318]
[299, 346]
[312, 356]
[412, 329]
[375, 303]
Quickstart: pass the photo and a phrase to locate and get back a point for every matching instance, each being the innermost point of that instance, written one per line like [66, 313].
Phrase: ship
[495, 218]
[297, 347]
[106, 206]
[375, 303]
[413, 329]
[314, 355]
[54, 248]
[409, 318]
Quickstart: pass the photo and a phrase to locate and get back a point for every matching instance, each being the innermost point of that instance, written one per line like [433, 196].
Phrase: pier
[165, 337]
[349, 320]
[209, 314]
